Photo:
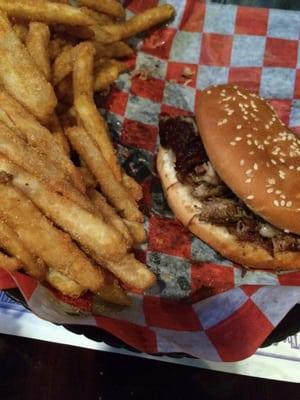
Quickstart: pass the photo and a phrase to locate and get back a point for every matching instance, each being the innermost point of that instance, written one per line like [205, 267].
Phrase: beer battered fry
[21, 30]
[110, 215]
[37, 43]
[14, 246]
[89, 230]
[83, 70]
[109, 7]
[132, 186]
[37, 233]
[113, 50]
[10, 264]
[63, 64]
[50, 13]
[136, 230]
[100, 19]
[58, 134]
[64, 284]
[107, 74]
[111, 188]
[139, 23]
[20, 76]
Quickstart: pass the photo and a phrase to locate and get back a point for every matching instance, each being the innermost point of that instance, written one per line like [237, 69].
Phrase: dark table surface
[31, 369]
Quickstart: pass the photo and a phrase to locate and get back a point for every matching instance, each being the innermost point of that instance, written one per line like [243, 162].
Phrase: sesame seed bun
[253, 152]
[187, 208]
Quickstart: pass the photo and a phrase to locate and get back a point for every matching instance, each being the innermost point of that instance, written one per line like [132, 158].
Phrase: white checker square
[220, 19]
[142, 110]
[194, 343]
[276, 301]
[295, 114]
[157, 66]
[215, 309]
[186, 47]
[284, 25]
[248, 51]
[277, 83]
[209, 75]
[179, 6]
[179, 96]
[250, 277]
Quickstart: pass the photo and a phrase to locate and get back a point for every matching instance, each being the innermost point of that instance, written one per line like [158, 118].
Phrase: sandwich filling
[220, 206]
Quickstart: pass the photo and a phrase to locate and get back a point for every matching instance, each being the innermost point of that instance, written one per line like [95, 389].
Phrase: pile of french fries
[71, 224]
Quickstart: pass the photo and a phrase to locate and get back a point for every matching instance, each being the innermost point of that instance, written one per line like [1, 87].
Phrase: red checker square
[138, 6]
[216, 49]
[297, 84]
[169, 236]
[116, 101]
[26, 284]
[193, 17]
[239, 336]
[296, 130]
[159, 42]
[251, 21]
[137, 336]
[246, 77]
[146, 202]
[281, 53]
[83, 303]
[168, 314]
[137, 134]
[6, 281]
[210, 279]
[250, 289]
[152, 89]
[165, 109]
[289, 279]
[282, 108]
[184, 74]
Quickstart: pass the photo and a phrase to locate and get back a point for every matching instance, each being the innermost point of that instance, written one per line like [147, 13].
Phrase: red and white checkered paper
[202, 304]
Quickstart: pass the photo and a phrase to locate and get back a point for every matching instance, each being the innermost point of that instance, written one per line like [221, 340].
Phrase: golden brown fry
[58, 134]
[89, 230]
[112, 292]
[20, 76]
[19, 152]
[64, 284]
[136, 230]
[14, 246]
[110, 215]
[55, 47]
[37, 233]
[107, 73]
[21, 30]
[132, 186]
[113, 50]
[37, 43]
[109, 7]
[100, 19]
[51, 13]
[83, 70]
[113, 190]
[10, 264]
[20, 120]
[63, 64]
[132, 272]
[89, 179]
[139, 23]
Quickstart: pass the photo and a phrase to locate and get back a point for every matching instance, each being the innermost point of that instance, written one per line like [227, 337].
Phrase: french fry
[132, 186]
[20, 76]
[83, 70]
[113, 50]
[112, 292]
[58, 134]
[63, 64]
[14, 246]
[88, 177]
[87, 229]
[109, 7]
[136, 230]
[64, 284]
[20, 120]
[21, 30]
[15, 149]
[37, 233]
[132, 272]
[37, 43]
[55, 47]
[10, 264]
[107, 74]
[137, 24]
[111, 188]
[50, 13]
[100, 19]
[110, 215]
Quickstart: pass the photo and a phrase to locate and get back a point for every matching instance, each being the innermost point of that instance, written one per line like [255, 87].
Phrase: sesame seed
[249, 171]
[244, 116]
[255, 166]
[282, 203]
[271, 181]
[281, 174]
[242, 162]
[255, 129]
[239, 127]
[250, 197]
[282, 196]
[278, 192]
[245, 112]
[251, 153]
[238, 139]
[298, 168]
[266, 142]
[270, 190]
[273, 161]
[282, 160]
[248, 180]
[208, 92]
[276, 203]
[267, 126]
[249, 142]
[249, 135]
[289, 203]
[232, 143]
[291, 167]
[220, 123]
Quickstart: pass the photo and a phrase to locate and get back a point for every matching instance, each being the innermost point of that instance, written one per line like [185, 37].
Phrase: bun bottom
[187, 209]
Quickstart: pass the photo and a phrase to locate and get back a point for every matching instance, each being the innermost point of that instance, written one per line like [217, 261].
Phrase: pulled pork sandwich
[236, 185]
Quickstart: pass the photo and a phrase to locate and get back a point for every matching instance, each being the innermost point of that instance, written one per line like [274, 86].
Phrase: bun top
[253, 152]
